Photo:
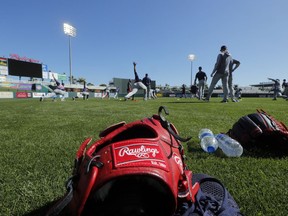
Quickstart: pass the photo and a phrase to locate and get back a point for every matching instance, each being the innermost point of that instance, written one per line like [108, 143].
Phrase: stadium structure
[27, 78]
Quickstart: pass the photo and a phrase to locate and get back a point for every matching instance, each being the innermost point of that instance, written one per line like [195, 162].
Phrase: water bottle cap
[210, 149]
[205, 134]
[220, 135]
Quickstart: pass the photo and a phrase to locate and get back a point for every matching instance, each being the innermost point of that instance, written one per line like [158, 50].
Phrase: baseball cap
[223, 48]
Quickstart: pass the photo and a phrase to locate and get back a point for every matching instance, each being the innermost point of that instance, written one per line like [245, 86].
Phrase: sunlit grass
[39, 141]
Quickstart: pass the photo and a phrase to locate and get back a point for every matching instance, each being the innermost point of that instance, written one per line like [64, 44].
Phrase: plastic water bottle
[230, 147]
[208, 141]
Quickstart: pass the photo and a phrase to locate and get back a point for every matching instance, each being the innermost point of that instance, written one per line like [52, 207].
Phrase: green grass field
[39, 141]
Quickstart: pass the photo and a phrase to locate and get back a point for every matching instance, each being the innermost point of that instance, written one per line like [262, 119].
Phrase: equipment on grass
[194, 89]
[134, 169]
[212, 198]
[260, 130]
[138, 169]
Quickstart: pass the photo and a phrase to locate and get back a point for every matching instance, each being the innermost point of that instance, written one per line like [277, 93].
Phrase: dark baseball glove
[133, 169]
[260, 130]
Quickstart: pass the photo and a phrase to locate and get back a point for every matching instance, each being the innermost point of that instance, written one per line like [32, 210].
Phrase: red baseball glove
[260, 130]
[134, 169]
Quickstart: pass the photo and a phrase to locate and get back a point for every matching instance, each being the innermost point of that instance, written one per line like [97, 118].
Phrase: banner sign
[19, 86]
[98, 95]
[2, 78]
[9, 85]
[24, 86]
[59, 77]
[22, 95]
[62, 77]
[19, 58]
[3, 66]
[6, 94]
[38, 94]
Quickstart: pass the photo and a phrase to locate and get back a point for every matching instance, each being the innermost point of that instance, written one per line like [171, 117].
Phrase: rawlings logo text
[141, 152]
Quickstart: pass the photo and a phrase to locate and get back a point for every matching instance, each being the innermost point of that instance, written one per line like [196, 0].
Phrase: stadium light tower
[71, 32]
[191, 58]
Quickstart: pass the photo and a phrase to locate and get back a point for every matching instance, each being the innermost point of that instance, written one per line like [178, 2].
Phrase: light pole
[191, 58]
[71, 32]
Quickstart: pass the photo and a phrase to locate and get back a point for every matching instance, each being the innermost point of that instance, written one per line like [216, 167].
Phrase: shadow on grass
[194, 147]
[256, 151]
[41, 210]
[265, 152]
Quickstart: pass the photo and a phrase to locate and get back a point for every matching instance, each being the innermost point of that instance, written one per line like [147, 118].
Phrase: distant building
[264, 85]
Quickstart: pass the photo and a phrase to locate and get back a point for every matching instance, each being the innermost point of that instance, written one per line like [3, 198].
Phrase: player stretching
[137, 84]
[59, 90]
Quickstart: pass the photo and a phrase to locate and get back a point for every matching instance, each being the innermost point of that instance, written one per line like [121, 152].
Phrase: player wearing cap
[202, 78]
[220, 71]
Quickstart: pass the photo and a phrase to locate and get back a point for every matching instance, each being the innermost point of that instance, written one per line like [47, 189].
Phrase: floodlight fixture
[191, 58]
[69, 30]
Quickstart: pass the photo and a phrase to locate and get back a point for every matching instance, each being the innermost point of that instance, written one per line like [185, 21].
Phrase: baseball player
[234, 64]
[276, 88]
[85, 92]
[59, 90]
[137, 85]
[220, 71]
[202, 79]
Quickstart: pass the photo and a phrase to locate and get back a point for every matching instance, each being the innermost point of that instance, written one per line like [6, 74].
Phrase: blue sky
[157, 34]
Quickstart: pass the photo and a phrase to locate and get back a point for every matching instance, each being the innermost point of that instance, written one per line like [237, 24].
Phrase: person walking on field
[202, 79]
[147, 82]
[220, 71]
[137, 85]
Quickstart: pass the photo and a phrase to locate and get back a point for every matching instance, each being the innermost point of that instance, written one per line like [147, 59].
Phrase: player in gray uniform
[276, 88]
[220, 71]
[202, 78]
[137, 84]
[285, 89]
[234, 64]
